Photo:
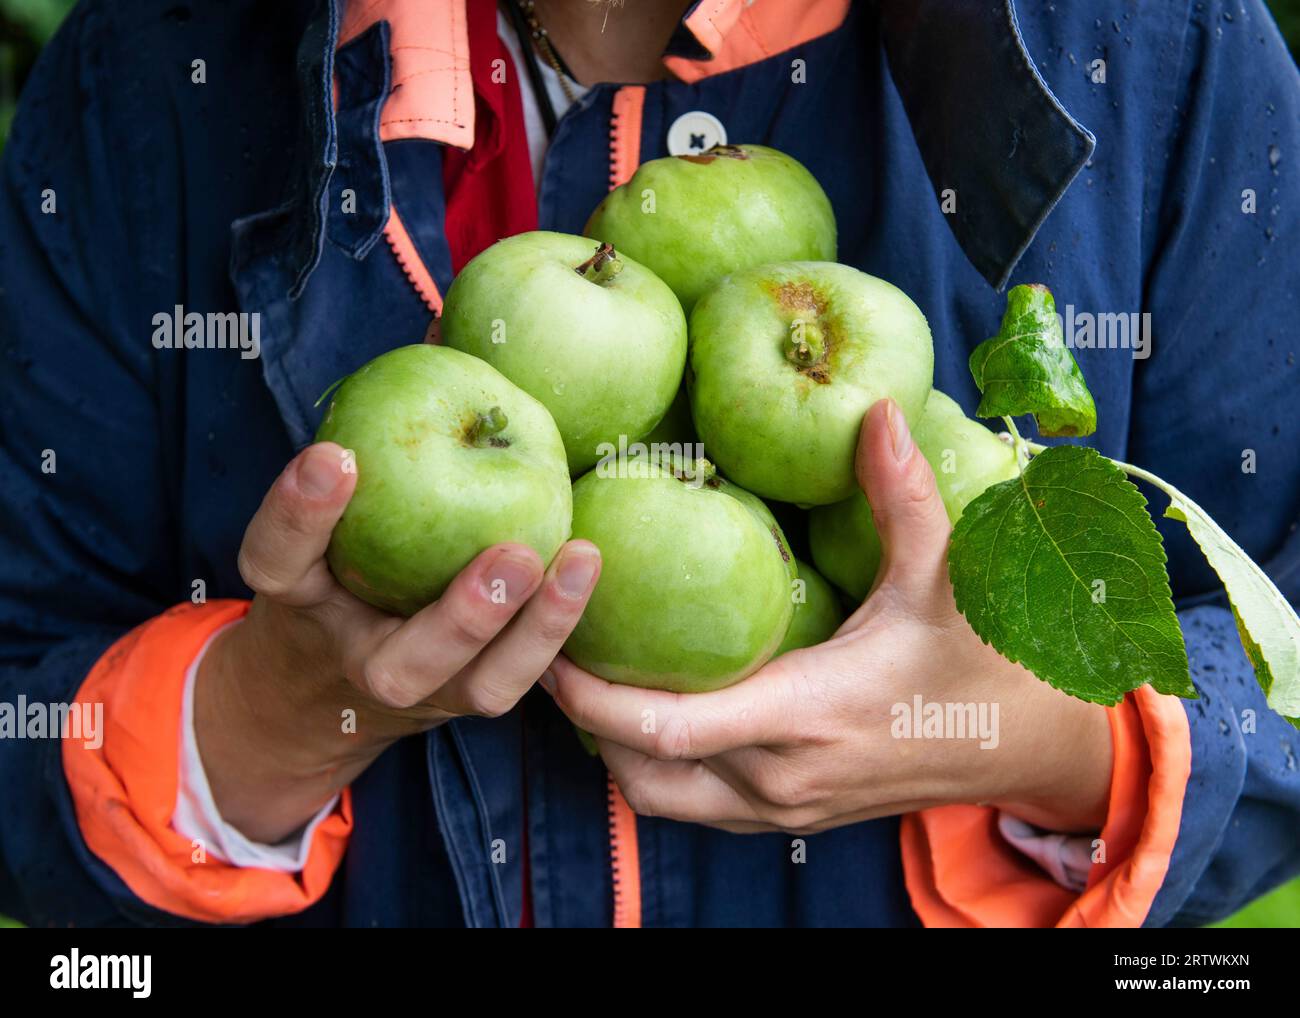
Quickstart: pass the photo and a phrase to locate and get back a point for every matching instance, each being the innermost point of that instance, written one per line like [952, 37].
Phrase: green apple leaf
[1266, 623]
[1027, 368]
[1063, 570]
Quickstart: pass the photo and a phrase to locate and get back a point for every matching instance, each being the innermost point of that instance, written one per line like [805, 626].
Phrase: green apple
[785, 360]
[596, 337]
[966, 458]
[451, 458]
[694, 591]
[817, 611]
[676, 428]
[844, 544]
[696, 218]
[965, 455]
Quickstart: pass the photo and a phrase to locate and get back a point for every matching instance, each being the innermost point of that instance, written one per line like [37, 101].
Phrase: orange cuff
[960, 871]
[124, 791]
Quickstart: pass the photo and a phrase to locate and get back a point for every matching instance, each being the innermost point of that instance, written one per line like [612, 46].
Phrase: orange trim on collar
[432, 95]
[738, 33]
[713, 19]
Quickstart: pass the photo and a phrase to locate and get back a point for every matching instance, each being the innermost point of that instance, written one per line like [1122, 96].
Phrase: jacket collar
[987, 126]
[989, 129]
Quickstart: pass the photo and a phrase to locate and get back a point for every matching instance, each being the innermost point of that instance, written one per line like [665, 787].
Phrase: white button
[695, 132]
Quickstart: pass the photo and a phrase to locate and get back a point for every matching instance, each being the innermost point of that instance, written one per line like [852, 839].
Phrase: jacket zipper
[410, 262]
[624, 850]
[624, 157]
[624, 860]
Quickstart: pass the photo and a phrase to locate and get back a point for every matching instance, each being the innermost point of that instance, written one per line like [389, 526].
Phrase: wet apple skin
[782, 432]
[694, 591]
[843, 538]
[604, 359]
[426, 502]
[716, 216]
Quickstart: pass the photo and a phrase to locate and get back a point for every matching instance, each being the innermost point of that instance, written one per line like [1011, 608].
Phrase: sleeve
[1215, 415]
[1205, 797]
[961, 871]
[88, 486]
[126, 786]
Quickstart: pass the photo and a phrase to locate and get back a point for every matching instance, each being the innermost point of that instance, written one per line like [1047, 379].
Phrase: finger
[905, 503]
[495, 680]
[282, 555]
[438, 641]
[673, 726]
[677, 790]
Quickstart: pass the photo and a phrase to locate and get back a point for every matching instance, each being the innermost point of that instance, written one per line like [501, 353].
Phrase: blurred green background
[25, 25]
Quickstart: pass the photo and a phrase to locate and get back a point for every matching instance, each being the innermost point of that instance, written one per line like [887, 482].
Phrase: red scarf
[489, 190]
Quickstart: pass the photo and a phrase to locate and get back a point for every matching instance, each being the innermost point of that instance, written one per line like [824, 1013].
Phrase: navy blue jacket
[1123, 196]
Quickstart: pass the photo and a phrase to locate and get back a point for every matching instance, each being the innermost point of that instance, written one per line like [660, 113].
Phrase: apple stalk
[805, 345]
[601, 267]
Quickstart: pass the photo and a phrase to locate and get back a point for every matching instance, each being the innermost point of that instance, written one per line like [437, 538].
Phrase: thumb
[905, 503]
[282, 556]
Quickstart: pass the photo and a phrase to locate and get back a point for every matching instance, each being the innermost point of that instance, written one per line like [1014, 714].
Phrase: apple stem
[601, 267]
[805, 345]
[729, 151]
[487, 428]
[1143, 475]
[690, 468]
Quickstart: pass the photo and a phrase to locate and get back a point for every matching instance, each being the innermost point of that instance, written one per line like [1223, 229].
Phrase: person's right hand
[295, 701]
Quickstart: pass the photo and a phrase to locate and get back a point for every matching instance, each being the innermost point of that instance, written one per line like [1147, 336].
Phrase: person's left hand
[808, 742]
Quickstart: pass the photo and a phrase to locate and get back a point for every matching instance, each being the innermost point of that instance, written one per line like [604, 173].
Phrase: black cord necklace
[533, 37]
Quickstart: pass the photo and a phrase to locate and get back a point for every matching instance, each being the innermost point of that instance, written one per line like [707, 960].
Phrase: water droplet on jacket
[1274, 155]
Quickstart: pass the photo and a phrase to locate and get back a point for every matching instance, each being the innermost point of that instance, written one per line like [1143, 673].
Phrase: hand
[273, 692]
[809, 741]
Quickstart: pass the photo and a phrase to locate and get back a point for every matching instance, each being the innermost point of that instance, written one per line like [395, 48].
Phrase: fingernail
[508, 577]
[576, 570]
[318, 473]
[548, 681]
[903, 445]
